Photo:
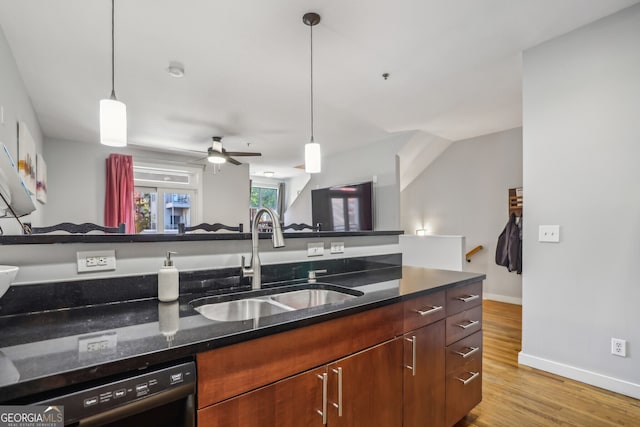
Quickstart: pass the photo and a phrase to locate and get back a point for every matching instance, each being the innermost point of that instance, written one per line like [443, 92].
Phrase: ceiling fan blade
[299, 166]
[241, 153]
[233, 161]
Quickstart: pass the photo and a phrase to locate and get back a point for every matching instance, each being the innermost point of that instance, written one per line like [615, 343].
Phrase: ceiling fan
[216, 154]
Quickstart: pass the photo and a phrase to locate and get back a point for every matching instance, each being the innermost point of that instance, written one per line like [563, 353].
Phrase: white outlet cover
[315, 249]
[337, 247]
[619, 347]
[83, 267]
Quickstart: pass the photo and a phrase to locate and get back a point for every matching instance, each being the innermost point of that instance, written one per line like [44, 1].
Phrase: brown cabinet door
[424, 376]
[365, 389]
[293, 402]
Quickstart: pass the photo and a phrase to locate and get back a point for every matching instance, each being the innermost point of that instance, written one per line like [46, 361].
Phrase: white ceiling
[455, 68]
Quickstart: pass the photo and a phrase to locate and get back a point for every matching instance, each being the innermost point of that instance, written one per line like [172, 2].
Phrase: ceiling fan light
[216, 159]
[312, 158]
[113, 123]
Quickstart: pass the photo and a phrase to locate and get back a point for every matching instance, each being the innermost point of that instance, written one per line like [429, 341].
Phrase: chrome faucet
[254, 270]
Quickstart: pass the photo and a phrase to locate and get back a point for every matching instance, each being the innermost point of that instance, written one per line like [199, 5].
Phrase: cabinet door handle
[338, 405]
[412, 340]
[323, 412]
[468, 325]
[468, 353]
[468, 298]
[433, 309]
[473, 376]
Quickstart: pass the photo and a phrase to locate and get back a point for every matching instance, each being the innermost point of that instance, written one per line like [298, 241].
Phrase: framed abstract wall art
[27, 157]
[41, 179]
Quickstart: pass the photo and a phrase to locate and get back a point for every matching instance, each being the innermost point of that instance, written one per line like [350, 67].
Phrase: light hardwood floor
[519, 396]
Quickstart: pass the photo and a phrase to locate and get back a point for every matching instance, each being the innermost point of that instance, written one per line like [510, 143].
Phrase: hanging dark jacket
[509, 247]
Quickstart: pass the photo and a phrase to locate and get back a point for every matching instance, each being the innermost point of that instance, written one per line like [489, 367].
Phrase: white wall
[17, 107]
[76, 187]
[57, 262]
[581, 155]
[465, 192]
[379, 160]
[442, 252]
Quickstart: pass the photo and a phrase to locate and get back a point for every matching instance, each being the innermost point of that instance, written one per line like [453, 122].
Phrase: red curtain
[118, 203]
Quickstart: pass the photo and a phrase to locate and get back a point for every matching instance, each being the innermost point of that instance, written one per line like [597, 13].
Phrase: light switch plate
[549, 233]
[315, 249]
[91, 261]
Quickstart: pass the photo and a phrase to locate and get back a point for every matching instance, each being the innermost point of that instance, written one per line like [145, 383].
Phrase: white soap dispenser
[168, 280]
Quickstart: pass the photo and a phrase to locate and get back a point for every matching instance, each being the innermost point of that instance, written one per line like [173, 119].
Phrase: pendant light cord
[311, 32]
[113, 72]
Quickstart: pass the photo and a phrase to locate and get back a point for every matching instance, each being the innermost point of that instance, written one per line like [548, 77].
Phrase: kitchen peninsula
[411, 318]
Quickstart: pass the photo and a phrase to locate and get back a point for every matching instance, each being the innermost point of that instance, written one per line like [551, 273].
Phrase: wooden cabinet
[260, 379]
[463, 336]
[292, 402]
[230, 371]
[424, 360]
[364, 389]
[424, 376]
[416, 363]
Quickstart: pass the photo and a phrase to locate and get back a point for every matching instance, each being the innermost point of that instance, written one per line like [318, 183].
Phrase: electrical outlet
[619, 347]
[98, 342]
[337, 247]
[91, 261]
[315, 249]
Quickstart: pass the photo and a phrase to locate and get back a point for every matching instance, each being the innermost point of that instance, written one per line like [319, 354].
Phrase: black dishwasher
[163, 397]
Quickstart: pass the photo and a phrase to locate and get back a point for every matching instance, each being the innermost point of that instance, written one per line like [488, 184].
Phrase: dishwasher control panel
[103, 398]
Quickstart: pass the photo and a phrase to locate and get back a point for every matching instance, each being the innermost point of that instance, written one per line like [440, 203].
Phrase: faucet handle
[245, 271]
[312, 275]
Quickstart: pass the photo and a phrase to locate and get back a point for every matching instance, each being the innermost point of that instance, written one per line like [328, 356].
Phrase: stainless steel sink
[269, 302]
[242, 309]
[306, 298]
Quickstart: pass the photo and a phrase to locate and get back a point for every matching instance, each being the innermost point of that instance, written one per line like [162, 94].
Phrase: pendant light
[312, 156]
[113, 113]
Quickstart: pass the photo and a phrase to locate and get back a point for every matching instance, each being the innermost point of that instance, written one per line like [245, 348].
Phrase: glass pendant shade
[217, 160]
[312, 158]
[113, 123]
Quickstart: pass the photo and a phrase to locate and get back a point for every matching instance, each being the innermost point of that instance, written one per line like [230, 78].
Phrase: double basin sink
[268, 302]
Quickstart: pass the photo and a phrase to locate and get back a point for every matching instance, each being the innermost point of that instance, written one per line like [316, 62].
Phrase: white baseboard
[502, 298]
[593, 378]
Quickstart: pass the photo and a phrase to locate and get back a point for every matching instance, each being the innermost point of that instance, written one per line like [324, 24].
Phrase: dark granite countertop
[47, 350]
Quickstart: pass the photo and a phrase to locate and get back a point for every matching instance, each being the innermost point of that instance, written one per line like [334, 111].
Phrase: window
[263, 195]
[164, 198]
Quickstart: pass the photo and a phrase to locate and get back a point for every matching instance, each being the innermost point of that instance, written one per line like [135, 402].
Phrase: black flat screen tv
[343, 207]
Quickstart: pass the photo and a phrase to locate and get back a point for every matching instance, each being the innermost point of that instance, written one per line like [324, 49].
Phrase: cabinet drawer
[463, 297]
[463, 391]
[464, 351]
[463, 324]
[423, 310]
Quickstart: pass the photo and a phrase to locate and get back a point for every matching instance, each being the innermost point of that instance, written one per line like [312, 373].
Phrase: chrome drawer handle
[412, 340]
[468, 298]
[338, 405]
[468, 353]
[433, 309]
[323, 413]
[473, 376]
[468, 325]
